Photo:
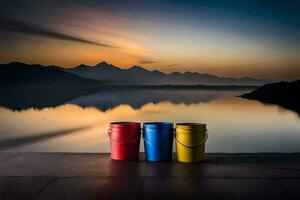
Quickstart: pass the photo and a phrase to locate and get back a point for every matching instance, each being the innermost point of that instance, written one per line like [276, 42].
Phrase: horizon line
[151, 70]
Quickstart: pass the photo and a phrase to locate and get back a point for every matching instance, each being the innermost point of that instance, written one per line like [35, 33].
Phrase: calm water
[234, 124]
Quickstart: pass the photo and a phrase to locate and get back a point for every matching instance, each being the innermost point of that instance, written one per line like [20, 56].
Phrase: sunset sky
[238, 38]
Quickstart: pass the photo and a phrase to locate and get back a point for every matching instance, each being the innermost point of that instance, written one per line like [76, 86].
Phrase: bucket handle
[157, 145]
[122, 143]
[194, 146]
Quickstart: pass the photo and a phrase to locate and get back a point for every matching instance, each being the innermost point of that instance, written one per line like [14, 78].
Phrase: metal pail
[124, 140]
[190, 142]
[158, 141]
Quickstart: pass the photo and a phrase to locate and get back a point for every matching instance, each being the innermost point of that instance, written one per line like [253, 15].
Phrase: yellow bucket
[190, 142]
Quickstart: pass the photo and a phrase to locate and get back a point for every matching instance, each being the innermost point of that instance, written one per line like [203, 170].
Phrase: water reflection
[108, 99]
[29, 139]
[234, 124]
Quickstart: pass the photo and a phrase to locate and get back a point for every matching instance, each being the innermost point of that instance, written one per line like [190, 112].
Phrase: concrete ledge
[95, 176]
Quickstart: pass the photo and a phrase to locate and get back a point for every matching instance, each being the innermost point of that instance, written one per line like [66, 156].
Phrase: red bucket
[124, 140]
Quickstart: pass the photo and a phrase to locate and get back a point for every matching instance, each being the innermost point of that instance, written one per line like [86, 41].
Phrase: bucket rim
[190, 125]
[157, 124]
[124, 123]
[118, 128]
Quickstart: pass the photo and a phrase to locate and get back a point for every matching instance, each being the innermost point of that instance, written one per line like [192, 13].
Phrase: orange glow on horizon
[152, 44]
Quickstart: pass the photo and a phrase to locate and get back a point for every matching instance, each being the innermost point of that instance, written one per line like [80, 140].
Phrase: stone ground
[94, 176]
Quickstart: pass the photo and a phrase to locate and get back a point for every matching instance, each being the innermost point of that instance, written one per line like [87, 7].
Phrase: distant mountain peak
[137, 68]
[17, 63]
[103, 63]
[105, 66]
[82, 66]
[20, 64]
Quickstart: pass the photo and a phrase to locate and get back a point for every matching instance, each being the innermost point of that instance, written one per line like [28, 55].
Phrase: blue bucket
[158, 141]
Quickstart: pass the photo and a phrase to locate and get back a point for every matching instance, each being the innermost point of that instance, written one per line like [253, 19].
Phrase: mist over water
[80, 125]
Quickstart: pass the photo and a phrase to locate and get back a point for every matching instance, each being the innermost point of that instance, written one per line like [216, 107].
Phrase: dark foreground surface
[95, 176]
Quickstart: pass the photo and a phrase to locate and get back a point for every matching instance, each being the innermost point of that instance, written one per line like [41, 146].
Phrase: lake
[80, 125]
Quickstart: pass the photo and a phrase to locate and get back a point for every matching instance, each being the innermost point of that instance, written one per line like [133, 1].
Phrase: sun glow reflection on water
[234, 125]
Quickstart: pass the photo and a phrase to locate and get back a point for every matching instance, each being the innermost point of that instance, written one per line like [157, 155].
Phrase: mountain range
[112, 75]
[21, 73]
[108, 74]
[23, 85]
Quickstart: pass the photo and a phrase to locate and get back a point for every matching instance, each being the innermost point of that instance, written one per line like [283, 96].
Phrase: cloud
[147, 62]
[26, 28]
[172, 65]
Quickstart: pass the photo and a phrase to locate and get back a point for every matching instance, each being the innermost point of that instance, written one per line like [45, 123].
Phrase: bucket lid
[125, 124]
[155, 125]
